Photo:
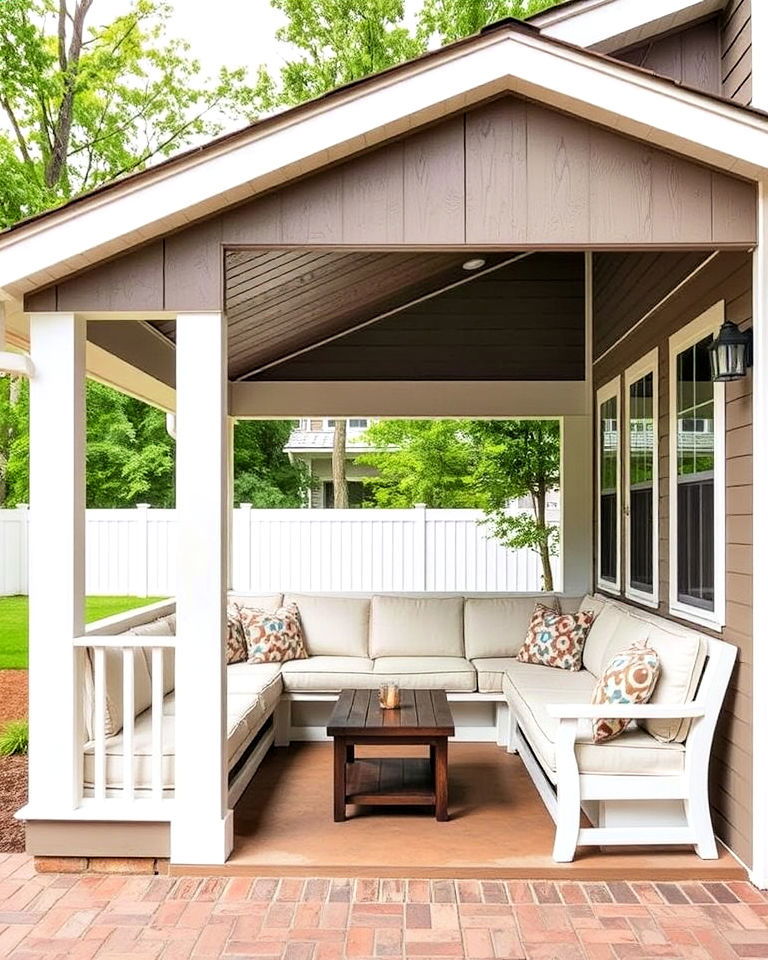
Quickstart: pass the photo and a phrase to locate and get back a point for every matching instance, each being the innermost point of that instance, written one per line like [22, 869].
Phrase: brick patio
[138, 917]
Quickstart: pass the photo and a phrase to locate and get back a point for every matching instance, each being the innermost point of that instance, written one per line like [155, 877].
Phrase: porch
[497, 253]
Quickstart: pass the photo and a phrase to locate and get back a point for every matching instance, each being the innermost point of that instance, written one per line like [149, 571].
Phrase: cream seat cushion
[529, 688]
[490, 672]
[333, 626]
[453, 674]
[328, 674]
[408, 626]
[496, 626]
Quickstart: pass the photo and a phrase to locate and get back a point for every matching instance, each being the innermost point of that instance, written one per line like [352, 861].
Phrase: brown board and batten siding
[736, 50]
[510, 175]
[690, 56]
[728, 277]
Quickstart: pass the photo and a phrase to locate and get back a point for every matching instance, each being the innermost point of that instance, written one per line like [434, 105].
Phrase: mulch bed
[13, 770]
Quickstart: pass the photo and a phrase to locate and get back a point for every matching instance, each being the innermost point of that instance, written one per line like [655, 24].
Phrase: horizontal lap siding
[729, 278]
[736, 50]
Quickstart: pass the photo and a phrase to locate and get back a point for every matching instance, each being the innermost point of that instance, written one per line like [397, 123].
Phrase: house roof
[321, 441]
[361, 115]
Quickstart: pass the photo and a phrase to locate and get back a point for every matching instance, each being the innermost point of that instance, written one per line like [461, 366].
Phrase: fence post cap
[143, 506]
[22, 506]
[419, 506]
[246, 506]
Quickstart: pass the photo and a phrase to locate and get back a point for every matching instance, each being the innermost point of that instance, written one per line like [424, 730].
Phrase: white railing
[106, 787]
[132, 552]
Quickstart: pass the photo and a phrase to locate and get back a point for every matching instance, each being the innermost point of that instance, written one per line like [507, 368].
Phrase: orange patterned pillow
[556, 639]
[630, 677]
[273, 637]
[236, 649]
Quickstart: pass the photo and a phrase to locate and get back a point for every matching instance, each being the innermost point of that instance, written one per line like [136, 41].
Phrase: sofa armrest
[625, 711]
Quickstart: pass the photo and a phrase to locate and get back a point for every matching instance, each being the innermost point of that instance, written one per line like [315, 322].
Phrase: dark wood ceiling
[304, 314]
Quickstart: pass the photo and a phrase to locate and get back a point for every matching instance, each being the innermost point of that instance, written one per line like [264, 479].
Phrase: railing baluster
[99, 721]
[157, 723]
[128, 718]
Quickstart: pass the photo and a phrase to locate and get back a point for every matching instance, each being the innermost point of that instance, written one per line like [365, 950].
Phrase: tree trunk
[339, 465]
[540, 512]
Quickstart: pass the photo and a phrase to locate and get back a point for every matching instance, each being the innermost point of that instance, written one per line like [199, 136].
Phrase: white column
[201, 830]
[759, 872]
[576, 505]
[231, 424]
[57, 559]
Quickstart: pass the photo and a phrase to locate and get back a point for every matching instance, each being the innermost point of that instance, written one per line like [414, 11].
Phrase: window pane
[695, 472]
[609, 464]
[641, 466]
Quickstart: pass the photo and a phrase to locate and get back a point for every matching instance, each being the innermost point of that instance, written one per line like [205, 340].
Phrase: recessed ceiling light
[473, 264]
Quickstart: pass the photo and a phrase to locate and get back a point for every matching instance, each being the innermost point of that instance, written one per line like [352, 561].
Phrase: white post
[141, 569]
[576, 505]
[231, 424]
[201, 830]
[759, 872]
[57, 552]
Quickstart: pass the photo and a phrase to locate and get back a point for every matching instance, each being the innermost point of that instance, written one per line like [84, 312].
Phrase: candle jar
[389, 696]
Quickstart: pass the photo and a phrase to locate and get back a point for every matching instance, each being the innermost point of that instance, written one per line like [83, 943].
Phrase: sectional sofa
[649, 785]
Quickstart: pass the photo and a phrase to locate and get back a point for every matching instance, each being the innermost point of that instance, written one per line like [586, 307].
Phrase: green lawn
[14, 619]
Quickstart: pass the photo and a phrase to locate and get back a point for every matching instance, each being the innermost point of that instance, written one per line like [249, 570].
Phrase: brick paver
[162, 918]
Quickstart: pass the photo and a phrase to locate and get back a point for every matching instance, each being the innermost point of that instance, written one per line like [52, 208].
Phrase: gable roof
[510, 56]
[608, 25]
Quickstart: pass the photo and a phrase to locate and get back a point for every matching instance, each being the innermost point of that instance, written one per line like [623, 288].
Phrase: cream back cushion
[682, 654]
[333, 626]
[602, 631]
[261, 601]
[496, 626]
[417, 627]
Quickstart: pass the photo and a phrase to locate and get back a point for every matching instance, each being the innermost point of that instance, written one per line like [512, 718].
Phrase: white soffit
[270, 154]
[609, 25]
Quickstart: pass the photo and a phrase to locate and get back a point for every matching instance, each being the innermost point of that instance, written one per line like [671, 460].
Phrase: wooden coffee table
[424, 718]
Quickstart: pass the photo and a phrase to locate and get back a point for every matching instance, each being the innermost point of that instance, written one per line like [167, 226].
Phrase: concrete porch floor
[499, 829]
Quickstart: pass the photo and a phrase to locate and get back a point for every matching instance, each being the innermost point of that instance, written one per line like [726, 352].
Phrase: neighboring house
[547, 219]
[312, 444]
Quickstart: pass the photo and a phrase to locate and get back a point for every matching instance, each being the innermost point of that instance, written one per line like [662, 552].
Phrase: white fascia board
[609, 25]
[557, 75]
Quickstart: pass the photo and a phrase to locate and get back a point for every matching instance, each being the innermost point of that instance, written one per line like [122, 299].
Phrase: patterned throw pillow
[630, 677]
[273, 637]
[236, 649]
[556, 639]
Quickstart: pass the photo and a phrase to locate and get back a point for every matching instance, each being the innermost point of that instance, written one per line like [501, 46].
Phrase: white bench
[634, 789]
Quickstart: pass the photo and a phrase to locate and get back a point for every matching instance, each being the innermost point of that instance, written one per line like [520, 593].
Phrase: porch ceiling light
[474, 264]
[730, 353]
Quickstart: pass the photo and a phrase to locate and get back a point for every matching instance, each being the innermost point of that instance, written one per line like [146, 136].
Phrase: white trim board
[649, 364]
[708, 323]
[602, 91]
[609, 25]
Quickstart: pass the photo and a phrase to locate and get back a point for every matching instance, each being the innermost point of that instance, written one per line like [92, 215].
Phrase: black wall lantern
[730, 353]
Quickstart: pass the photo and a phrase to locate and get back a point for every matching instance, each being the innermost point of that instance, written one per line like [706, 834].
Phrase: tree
[519, 458]
[422, 461]
[336, 42]
[86, 104]
[449, 20]
[339, 464]
[264, 474]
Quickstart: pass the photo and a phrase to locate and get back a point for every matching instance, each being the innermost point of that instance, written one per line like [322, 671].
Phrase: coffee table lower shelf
[391, 781]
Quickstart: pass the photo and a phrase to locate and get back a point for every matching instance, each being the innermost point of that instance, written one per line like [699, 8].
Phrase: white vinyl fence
[133, 552]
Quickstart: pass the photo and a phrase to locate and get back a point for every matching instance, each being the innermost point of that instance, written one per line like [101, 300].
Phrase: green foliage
[264, 475]
[337, 41]
[450, 20]
[14, 738]
[84, 104]
[422, 461]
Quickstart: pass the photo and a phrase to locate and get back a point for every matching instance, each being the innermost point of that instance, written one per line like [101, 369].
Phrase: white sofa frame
[630, 810]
